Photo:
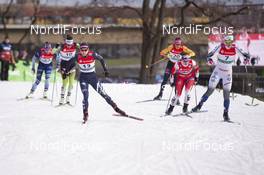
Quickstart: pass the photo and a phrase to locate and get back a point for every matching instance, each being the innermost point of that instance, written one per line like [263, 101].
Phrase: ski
[45, 99]
[24, 98]
[187, 114]
[230, 121]
[200, 111]
[129, 116]
[251, 104]
[150, 100]
[184, 114]
[64, 104]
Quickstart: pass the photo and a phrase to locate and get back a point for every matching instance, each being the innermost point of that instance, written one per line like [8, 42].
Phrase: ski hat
[178, 41]
[47, 46]
[84, 46]
[185, 57]
[69, 40]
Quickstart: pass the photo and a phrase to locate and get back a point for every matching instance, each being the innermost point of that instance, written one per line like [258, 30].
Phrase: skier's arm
[244, 54]
[188, 51]
[165, 51]
[196, 71]
[57, 57]
[210, 54]
[101, 59]
[34, 58]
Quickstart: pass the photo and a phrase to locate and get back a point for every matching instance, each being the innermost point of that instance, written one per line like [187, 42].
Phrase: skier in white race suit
[227, 54]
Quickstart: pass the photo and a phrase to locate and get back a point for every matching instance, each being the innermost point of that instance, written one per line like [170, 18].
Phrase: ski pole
[76, 93]
[54, 81]
[195, 93]
[149, 66]
[169, 98]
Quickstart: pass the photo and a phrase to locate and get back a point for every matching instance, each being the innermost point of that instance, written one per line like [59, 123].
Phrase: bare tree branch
[4, 16]
[36, 4]
[227, 15]
[134, 9]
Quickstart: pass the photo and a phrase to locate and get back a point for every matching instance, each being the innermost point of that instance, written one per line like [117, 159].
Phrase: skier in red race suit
[187, 73]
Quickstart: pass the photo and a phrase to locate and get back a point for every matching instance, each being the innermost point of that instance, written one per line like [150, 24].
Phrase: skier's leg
[213, 81]
[165, 79]
[178, 91]
[227, 84]
[188, 86]
[71, 81]
[85, 91]
[99, 88]
[65, 80]
[1, 74]
[38, 78]
[5, 70]
[48, 71]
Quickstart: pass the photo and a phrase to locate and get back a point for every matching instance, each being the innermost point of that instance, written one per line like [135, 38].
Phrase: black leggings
[167, 72]
[4, 70]
[91, 78]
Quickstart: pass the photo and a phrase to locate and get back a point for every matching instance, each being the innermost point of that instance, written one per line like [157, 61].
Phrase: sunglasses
[84, 50]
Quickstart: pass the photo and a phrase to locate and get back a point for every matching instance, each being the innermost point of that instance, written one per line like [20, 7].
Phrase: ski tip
[129, 116]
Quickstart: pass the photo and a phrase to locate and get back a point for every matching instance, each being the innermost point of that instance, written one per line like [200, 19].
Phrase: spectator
[6, 57]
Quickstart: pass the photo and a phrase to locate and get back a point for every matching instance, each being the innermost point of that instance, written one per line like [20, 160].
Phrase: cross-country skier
[226, 56]
[187, 73]
[86, 61]
[173, 52]
[66, 57]
[45, 56]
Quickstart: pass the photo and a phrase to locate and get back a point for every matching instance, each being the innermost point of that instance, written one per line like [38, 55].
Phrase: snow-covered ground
[36, 138]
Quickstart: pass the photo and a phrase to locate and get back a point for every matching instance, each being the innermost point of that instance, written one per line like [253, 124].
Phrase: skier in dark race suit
[86, 61]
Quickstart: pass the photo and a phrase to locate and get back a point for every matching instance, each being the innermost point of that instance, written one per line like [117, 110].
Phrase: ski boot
[226, 117]
[197, 108]
[159, 96]
[68, 98]
[85, 116]
[119, 111]
[61, 99]
[30, 94]
[45, 94]
[169, 110]
[185, 108]
[62, 96]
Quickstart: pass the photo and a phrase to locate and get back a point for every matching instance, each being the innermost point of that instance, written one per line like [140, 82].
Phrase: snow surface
[36, 138]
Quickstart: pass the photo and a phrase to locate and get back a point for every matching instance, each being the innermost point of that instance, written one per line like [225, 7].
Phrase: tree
[153, 39]
[4, 17]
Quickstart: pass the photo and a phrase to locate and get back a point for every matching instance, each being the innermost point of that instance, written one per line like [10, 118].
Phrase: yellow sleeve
[166, 50]
[188, 51]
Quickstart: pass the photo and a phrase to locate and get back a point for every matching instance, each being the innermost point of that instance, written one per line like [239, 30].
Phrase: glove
[172, 82]
[246, 61]
[195, 80]
[13, 66]
[33, 70]
[57, 69]
[106, 73]
[210, 61]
